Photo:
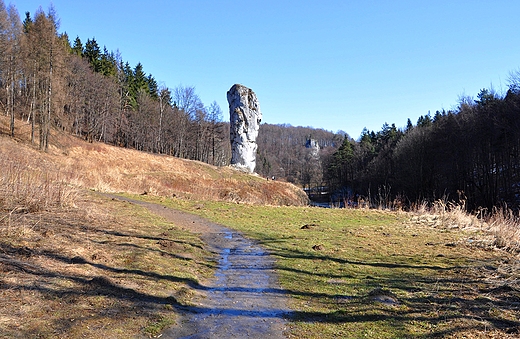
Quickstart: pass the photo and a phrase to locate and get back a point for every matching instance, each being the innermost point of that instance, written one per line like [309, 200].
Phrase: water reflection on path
[243, 300]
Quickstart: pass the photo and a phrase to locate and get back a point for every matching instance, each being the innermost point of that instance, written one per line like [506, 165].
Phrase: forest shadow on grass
[443, 296]
[102, 270]
[374, 274]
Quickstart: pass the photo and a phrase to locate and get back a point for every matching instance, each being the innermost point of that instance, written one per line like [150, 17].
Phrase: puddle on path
[243, 300]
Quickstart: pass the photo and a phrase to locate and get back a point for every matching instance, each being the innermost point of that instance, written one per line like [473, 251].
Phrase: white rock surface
[244, 118]
[314, 147]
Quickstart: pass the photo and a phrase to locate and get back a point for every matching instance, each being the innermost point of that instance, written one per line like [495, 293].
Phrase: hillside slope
[106, 168]
[75, 263]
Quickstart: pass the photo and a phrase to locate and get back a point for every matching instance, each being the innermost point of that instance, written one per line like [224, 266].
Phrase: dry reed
[26, 187]
[505, 226]
[32, 190]
[445, 214]
[502, 224]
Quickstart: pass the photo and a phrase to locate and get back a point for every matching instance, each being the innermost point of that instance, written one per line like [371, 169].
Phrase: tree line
[92, 93]
[468, 154]
[282, 153]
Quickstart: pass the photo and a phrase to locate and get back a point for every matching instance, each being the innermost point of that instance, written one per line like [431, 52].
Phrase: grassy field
[75, 264]
[355, 273]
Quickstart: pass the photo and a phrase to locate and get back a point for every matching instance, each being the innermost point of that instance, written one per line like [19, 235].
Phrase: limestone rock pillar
[244, 118]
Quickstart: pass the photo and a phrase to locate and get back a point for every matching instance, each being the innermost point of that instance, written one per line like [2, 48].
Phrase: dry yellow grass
[106, 168]
[500, 228]
[505, 226]
[104, 269]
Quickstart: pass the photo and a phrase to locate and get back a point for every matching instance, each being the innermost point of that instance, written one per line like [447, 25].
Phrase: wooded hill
[93, 93]
[469, 154]
[282, 153]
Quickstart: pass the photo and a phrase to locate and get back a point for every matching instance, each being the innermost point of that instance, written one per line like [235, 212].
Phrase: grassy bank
[104, 269]
[373, 274]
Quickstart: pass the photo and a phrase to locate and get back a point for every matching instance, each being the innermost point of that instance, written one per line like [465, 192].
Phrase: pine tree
[409, 125]
[27, 23]
[152, 87]
[140, 81]
[77, 48]
[108, 63]
[93, 54]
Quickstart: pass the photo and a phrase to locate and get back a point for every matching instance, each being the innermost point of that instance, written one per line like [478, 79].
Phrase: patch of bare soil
[243, 299]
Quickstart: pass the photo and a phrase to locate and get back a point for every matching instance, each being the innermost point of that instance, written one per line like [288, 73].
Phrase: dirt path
[243, 300]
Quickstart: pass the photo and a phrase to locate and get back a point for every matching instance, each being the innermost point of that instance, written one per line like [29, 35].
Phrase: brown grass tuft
[505, 227]
[445, 214]
[29, 183]
[27, 189]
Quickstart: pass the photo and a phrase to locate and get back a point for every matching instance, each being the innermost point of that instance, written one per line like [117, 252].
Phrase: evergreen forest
[467, 154]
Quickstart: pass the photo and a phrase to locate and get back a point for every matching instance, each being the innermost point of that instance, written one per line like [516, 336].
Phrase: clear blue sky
[337, 65]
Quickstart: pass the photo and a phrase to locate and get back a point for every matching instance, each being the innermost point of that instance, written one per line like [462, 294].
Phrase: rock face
[314, 147]
[244, 118]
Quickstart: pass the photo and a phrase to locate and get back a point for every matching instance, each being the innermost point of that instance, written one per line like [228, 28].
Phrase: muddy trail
[243, 300]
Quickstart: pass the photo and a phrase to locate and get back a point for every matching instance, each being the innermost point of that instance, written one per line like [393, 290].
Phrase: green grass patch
[371, 274]
[157, 325]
